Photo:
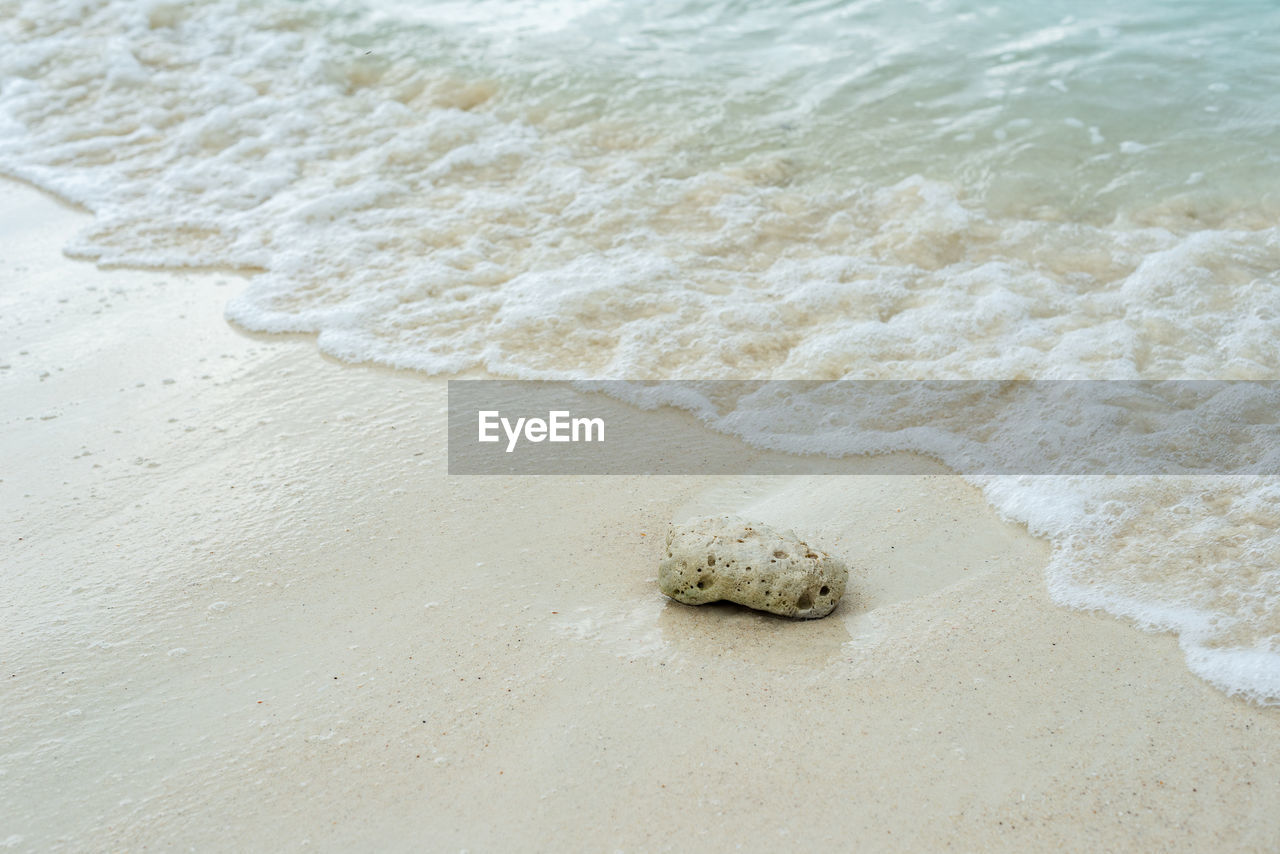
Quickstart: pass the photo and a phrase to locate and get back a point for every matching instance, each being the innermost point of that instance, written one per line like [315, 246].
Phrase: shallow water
[808, 190]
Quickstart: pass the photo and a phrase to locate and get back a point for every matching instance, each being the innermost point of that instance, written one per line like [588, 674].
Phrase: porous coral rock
[725, 558]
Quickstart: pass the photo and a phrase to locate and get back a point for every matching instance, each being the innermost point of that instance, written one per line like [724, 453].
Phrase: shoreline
[247, 606]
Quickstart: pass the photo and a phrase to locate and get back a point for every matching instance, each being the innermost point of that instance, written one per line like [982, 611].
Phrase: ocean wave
[694, 200]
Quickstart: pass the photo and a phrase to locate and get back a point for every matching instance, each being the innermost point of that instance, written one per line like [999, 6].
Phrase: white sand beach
[244, 607]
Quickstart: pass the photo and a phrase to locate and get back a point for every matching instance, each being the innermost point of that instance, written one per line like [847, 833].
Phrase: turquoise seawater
[1086, 109]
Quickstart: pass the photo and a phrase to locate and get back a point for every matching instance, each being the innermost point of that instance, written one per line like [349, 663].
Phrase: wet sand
[244, 606]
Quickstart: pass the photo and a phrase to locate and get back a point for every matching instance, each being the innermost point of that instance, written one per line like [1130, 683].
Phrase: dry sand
[245, 607]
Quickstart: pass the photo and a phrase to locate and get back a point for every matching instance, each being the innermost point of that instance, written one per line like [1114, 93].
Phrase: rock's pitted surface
[721, 557]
